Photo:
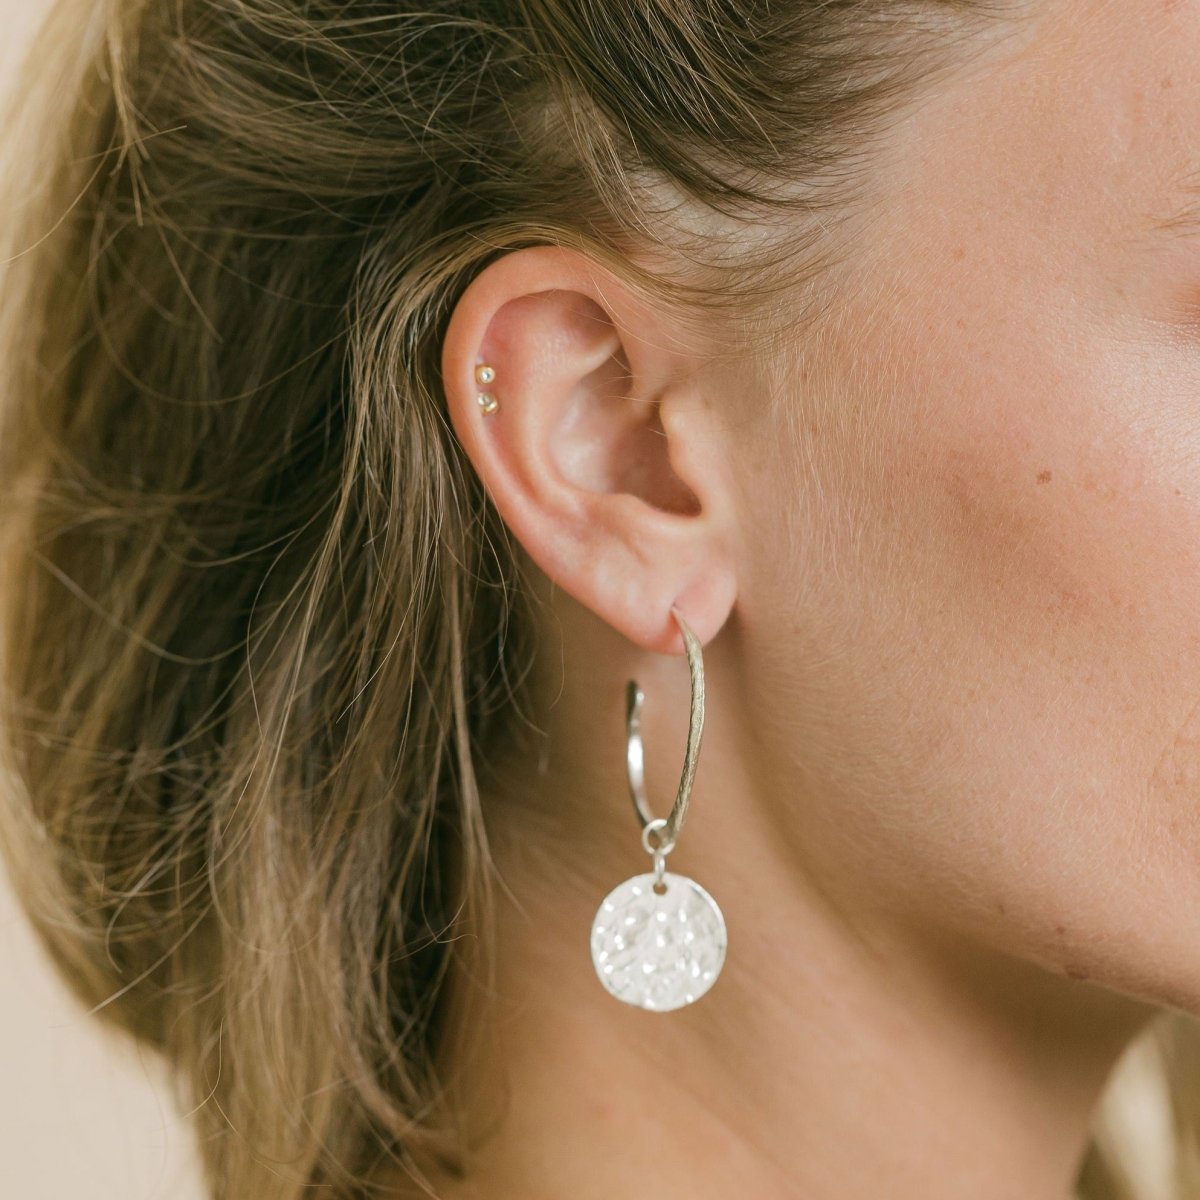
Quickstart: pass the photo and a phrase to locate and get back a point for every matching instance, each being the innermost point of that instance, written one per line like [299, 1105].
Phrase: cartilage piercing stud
[484, 374]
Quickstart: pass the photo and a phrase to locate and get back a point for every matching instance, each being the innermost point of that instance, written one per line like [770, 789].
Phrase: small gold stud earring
[484, 375]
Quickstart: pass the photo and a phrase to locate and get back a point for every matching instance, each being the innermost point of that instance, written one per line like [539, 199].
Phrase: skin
[947, 594]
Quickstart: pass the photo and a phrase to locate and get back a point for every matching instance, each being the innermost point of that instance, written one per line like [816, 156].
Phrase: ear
[604, 452]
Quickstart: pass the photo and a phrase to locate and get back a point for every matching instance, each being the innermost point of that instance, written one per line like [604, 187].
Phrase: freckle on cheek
[1043, 477]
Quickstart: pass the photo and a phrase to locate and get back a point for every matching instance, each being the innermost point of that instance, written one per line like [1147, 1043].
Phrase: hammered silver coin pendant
[658, 951]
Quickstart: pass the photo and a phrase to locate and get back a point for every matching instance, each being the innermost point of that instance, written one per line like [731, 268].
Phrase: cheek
[987, 698]
[1059, 523]
[1057, 504]
[1010, 580]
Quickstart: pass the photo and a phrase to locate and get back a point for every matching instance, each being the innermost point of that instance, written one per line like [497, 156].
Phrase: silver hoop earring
[659, 939]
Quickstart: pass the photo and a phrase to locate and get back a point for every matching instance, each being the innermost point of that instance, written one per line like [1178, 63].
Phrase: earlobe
[558, 379]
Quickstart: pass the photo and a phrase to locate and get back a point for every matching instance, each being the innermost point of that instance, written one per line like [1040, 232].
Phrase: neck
[836, 1055]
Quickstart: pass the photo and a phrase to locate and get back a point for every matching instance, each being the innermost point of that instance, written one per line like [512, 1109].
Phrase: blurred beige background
[82, 1116]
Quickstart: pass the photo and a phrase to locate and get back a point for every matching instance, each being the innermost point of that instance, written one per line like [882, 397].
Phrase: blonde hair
[259, 622]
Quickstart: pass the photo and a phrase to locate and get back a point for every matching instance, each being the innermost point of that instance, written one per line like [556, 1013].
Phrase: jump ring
[659, 848]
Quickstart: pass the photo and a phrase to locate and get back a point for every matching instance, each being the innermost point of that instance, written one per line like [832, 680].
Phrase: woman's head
[861, 330]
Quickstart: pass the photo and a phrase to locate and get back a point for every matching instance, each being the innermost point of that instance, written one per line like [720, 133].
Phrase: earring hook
[668, 830]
